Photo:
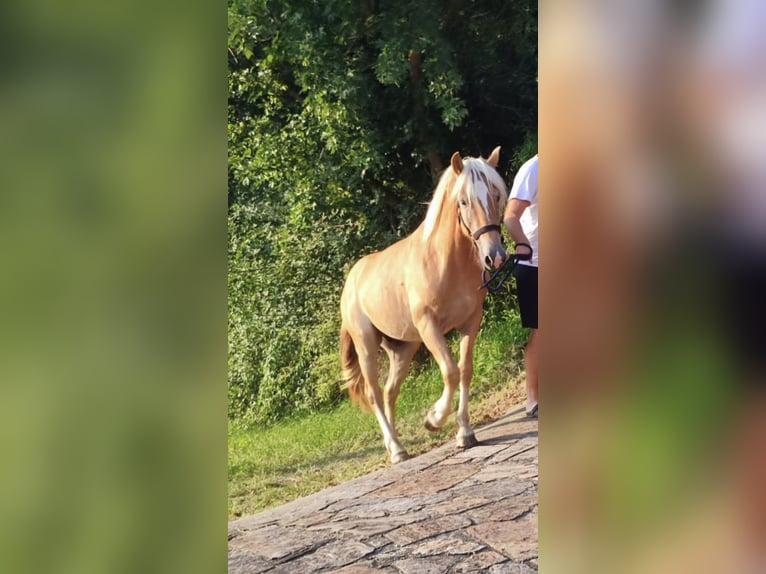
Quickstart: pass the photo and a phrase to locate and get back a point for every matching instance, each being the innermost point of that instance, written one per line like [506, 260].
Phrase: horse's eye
[463, 202]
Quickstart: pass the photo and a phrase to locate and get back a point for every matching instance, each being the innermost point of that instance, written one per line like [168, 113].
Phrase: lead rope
[499, 277]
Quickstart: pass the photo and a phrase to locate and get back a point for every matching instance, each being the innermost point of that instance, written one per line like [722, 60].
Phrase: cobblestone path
[445, 511]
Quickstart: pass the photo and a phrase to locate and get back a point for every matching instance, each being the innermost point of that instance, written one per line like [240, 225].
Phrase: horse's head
[481, 196]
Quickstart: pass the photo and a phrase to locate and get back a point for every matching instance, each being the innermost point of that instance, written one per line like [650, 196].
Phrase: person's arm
[513, 212]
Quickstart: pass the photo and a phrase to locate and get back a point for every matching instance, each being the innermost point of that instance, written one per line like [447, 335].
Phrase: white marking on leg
[465, 435]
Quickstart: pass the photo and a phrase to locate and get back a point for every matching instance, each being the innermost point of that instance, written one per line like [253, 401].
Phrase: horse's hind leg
[400, 354]
[367, 342]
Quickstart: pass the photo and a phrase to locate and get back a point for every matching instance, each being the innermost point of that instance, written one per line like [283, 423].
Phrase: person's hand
[524, 250]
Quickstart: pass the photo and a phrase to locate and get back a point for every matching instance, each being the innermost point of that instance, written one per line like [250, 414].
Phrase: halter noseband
[482, 230]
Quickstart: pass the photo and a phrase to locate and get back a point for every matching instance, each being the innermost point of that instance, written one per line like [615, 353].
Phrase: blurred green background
[112, 287]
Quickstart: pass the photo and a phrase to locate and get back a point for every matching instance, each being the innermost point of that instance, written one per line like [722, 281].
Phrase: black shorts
[526, 292]
[742, 299]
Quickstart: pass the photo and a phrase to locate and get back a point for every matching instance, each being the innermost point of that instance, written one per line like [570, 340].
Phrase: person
[521, 222]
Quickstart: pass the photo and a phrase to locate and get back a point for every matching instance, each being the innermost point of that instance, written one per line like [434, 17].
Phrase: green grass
[272, 465]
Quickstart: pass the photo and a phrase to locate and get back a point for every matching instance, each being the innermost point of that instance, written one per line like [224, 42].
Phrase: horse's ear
[457, 163]
[494, 157]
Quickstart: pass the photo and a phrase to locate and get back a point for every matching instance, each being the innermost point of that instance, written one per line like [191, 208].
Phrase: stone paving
[446, 511]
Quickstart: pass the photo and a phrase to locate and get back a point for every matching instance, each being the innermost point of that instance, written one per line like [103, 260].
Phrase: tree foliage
[341, 114]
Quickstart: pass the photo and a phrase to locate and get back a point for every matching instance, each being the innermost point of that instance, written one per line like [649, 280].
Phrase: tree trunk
[433, 160]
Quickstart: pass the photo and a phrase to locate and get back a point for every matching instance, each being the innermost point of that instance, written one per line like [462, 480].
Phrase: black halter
[479, 232]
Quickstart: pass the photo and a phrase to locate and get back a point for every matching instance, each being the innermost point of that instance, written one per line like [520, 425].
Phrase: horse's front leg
[436, 343]
[465, 435]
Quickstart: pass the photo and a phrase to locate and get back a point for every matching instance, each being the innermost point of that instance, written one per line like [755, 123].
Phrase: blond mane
[446, 185]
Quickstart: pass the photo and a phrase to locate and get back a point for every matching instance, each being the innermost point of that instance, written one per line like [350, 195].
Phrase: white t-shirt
[525, 187]
[730, 52]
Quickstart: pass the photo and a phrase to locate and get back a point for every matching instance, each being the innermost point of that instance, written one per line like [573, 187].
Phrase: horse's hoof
[467, 441]
[430, 426]
[399, 457]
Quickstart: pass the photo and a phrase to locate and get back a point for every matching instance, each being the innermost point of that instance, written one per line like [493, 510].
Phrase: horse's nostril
[488, 261]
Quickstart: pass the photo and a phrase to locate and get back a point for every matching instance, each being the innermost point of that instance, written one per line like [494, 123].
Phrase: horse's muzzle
[496, 260]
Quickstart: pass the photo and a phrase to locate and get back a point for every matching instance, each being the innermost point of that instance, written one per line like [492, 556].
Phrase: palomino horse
[419, 289]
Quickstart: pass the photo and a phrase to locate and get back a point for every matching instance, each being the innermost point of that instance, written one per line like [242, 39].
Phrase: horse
[421, 288]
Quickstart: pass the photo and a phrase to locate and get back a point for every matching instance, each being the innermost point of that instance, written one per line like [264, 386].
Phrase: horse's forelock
[475, 171]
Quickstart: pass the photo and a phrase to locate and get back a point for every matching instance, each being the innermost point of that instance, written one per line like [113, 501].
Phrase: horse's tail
[352, 372]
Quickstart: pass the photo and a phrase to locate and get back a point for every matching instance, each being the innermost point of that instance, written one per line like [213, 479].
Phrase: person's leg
[526, 291]
[530, 365]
